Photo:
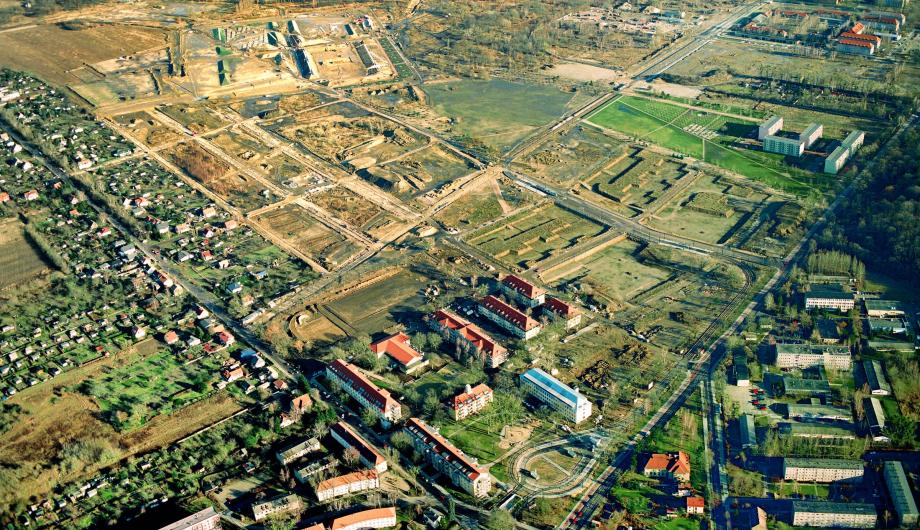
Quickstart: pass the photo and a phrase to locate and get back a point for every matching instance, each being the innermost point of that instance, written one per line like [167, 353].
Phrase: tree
[400, 440]
[351, 456]
[499, 519]
[281, 522]
[369, 417]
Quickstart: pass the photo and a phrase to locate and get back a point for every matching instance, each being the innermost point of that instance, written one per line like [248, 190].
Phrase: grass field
[497, 113]
[383, 304]
[19, 260]
[616, 272]
[666, 124]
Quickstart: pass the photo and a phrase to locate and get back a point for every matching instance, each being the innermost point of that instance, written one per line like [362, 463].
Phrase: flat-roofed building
[359, 387]
[811, 134]
[741, 370]
[343, 434]
[522, 291]
[800, 386]
[854, 140]
[836, 160]
[400, 351]
[783, 145]
[297, 450]
[875, 378]
[830, 356]
[804, 412]
[821, 469]
[276, 505]
[902, 498]
[825, 514]
[748, 431]
[471, 401]
[875, 419]
[303, 472]
[558, 396]
[509, 318]
[373, 518]
[358, 481]
[822, 432]
[207, 519]
[829, 297]
[887, 326]
[826, 331]
[490, 351]
[462, 471]
[557, 308]
[884, 308]
[772, 125]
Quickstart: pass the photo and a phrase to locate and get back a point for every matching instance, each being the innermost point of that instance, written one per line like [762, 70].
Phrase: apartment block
[558, 396]
[342, 433]
[825, 514]
[348, 484]
[490, 351]
[509, 318]
[463, 472]
[471, 401]
[821, 469]
[359, 387]
[830, 356]
[522, 291]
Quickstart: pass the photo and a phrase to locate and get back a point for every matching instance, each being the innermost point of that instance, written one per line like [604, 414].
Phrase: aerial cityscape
[444, 264]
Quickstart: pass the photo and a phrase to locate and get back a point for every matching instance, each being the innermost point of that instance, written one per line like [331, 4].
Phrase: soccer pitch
[702, 135]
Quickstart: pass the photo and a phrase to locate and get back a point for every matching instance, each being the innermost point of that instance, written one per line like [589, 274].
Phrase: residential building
[401, 352]
[855, 46]
[471, 401]
[830, 356]
[748, 431]
[740, 368]
[509, 318]
[783, 145]
[887, 326]
[277, 505]
[342, 433]
[558, 396]
[373, 518]
[822, 432]
[695, 505]
[491, 352]
[836, 160]
[829, 297]
[304, 472]
[884, 308]
[900, 494]
[875, 419]
[463, 472]
[673, 465]
[358, 386]
[348, 484]
[207, 519]
[522, 291]
[295, 451]
[800, 386]
[771, 126]
[825, 514]
[811, 134]
[854, 140]
[821, 469]
[556, 308]
[875, 378]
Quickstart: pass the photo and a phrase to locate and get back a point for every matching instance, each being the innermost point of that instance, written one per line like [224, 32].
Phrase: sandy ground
[672, 89]
[582, 72]
[512, 435]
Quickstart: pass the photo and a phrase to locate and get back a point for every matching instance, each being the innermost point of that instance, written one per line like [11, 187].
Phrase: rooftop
[509, 313]
[855, 508]
[522, 286]
[823, 463]
[562, 391]
[398, 348]
[440, 445]
[366, 515]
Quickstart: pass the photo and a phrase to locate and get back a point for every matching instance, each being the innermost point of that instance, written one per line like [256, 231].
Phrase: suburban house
[347, 484]
[509, 318]
[359, 387]
[696, 505]
[463, 472]
[522, 291]
[342, 433]
[674, 466]
[471, 401]
[556, 308]
[491, 352]
[400, 352]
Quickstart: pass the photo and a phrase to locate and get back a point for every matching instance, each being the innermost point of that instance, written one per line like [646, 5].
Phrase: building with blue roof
[557, 395]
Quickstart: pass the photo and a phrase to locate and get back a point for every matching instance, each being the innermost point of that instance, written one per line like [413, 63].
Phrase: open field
[565, 158]
[355, 210]
[68, 49]
[428, 169]
[241, 145]
[295, 225]
[529, 237]
[717, 139]
[383, 304]
[56, 419]
[19, 260]
[147, 129]
[196, 118]
[496, 113]
[243, 192]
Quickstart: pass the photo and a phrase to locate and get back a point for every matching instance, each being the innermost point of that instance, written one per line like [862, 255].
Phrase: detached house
[674, 465]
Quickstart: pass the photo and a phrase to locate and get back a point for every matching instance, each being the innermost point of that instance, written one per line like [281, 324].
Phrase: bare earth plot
[19, 260]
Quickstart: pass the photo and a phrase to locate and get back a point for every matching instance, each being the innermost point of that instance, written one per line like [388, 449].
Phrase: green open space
[617, 272]
[383, 304]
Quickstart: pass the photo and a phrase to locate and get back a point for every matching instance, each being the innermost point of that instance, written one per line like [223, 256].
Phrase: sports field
[706, 136]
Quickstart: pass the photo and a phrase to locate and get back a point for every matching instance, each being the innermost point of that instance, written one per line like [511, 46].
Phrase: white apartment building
[556, 395]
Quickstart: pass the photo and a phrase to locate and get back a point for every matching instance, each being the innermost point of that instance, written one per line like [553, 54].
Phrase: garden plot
[562, 160]
[295, 225]
[527, 238]
[147, 130]
[639, 179]
[196, 118]
[19, 260]
[243, 192]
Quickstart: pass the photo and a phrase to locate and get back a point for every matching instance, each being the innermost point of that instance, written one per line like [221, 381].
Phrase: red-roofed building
[358, 386]
[523, 291]
[232, 374]
[509, 318]
[857, 28]
[674, 465]
[30, 195]
[373, 518]
[557, 308]
[472, 401]
[400, 351]
[357, 481]
[225, 338]
[301, 403]
[342, 433]
[874, 39]
[4, 197]
[462, 471]
[854, 46]
[696, 505]
[491, 352]
[170, 337]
